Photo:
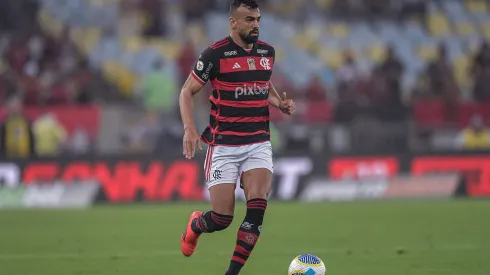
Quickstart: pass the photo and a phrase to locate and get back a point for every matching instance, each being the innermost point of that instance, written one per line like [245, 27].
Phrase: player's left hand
[287, 106]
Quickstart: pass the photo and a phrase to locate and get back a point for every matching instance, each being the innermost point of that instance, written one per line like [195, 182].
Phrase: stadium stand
[344, 60]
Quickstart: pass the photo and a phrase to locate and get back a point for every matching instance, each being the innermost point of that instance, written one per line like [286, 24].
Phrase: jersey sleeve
[206, 66]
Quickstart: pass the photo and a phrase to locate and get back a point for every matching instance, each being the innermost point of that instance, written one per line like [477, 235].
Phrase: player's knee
[256, 187]
[256, 193]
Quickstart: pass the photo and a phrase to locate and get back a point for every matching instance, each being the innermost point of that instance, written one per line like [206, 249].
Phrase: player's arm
[190, 88]
[274, 98]
[204, 69]
[286, 106]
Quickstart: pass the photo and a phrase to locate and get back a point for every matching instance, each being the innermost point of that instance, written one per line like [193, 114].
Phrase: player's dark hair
[250, 4]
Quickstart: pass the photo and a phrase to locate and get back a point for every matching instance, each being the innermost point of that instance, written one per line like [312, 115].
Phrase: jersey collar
[254, 47]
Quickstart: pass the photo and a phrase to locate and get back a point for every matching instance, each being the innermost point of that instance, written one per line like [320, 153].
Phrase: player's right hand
[191, 142]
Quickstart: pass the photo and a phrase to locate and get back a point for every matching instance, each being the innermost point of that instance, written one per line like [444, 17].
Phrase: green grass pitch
[361, 238]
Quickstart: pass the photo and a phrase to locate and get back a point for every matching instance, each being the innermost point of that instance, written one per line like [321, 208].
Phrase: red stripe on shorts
[209, 161]
[206, 162]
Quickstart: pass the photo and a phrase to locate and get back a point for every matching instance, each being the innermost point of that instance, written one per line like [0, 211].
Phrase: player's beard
[250, 38]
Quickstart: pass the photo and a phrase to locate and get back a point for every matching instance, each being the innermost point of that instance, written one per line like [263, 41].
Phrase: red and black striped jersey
[239, 102]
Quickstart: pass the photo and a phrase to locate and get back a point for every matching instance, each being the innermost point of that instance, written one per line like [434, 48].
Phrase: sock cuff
[257, 204]
[220, 217]
[257, 200]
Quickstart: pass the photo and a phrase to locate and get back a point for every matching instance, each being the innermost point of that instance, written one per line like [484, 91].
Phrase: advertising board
[124, 179]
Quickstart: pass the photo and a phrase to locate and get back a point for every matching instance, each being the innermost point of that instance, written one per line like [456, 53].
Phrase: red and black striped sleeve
[206, 67]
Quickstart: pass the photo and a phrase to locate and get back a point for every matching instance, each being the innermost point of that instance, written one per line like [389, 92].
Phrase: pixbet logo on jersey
[251, 90]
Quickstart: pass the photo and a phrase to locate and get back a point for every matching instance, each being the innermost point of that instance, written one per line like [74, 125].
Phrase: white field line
[163, 253]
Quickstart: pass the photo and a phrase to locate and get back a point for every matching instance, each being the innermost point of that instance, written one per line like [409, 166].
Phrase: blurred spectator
[154, 10]
[348, 76]
[50, 135]
[139, 136]
[316, 90]
[442, 83]
[67, 53]
[195, 10]
[392, 70]
[159, 93]
[481, 73]
[82, 84]
[187, 58]
[377, 89]
[16, 136]
[79, 143]
[349, 101]
[441, 76]
[349, 73]
[474, 137]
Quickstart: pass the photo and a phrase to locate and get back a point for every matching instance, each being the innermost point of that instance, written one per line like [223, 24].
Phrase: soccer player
[239, 68]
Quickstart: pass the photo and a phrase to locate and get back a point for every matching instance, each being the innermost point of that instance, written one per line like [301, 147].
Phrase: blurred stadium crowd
[374, 69]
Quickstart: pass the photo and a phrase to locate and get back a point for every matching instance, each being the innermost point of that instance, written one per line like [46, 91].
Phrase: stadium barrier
[126, 179]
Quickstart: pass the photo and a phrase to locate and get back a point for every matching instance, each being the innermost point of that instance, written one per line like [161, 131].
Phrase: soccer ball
[307, 264]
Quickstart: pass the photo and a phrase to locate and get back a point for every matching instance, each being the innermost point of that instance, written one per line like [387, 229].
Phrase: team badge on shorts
[217, 174]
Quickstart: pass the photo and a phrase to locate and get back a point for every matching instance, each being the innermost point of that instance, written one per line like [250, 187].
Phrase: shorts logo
[217, 174]
[247, 226]
[260, 228]
[251, 64]
[265, 63]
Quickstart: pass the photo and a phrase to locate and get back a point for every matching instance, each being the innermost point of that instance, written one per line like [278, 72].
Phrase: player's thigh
[257, 172]
[257, 183]
[221, 171]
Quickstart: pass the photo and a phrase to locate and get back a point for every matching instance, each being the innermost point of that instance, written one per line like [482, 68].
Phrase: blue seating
[299, 65]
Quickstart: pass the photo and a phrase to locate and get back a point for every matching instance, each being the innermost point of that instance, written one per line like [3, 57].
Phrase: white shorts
[225, 164]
